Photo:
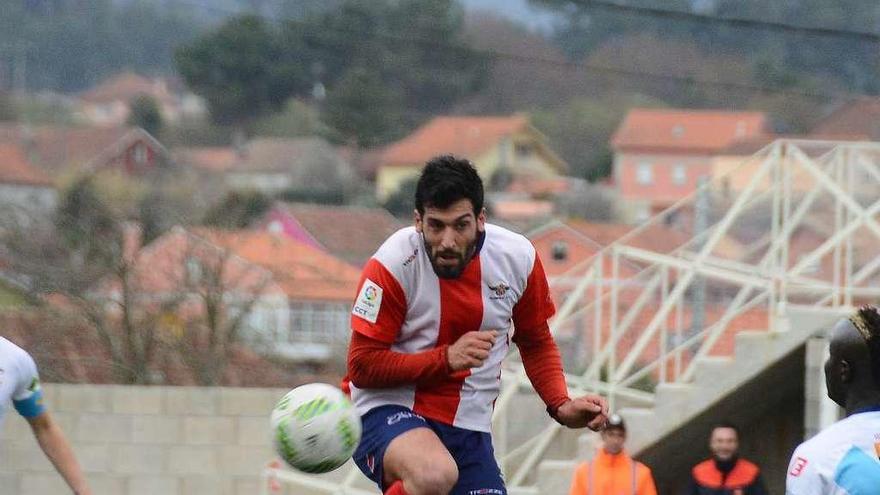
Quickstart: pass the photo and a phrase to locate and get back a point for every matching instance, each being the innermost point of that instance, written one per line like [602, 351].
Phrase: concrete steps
[715, 378]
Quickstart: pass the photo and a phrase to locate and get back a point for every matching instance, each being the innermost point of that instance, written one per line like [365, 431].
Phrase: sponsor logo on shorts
[798, 467]
[486, 491]
[371, 463]
[398, 417]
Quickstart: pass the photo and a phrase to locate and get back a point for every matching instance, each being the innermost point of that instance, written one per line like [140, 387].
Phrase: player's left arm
[542, 360]
[28, 401]
[54, 444]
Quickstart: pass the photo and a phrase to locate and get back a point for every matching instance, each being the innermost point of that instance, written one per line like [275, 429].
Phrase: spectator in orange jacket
[613, 471]
[726, 473]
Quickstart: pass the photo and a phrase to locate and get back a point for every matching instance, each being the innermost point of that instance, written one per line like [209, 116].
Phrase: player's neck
[861, 402]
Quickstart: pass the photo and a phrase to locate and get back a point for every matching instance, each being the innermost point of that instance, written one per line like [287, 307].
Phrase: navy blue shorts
[478, 473]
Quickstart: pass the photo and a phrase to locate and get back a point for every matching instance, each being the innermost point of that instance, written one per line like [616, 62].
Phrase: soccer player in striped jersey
[437, 308]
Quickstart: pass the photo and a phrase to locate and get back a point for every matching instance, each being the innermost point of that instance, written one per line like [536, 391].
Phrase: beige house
[109, 102]
[493, 144]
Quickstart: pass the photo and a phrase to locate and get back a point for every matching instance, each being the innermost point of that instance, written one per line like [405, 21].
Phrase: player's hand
[590, 411]
[470, 350]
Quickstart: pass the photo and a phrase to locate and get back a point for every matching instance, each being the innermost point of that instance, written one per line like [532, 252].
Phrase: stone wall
[147, 440]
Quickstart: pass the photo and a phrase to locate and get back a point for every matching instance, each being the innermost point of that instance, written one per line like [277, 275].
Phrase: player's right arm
[376, 319]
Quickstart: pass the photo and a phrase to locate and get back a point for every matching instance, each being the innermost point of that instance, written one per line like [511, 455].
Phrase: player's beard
[451, 270]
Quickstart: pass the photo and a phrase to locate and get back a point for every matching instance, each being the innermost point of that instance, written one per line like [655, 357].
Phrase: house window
[644, 173]
[678, 131]
[642, 213]
[139, 154]
[679, 174]
[193, 270]
[319, 323]
[523, 150]
[560, 251]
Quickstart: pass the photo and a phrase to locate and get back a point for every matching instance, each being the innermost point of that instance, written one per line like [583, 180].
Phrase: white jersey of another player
[843, 459]
[19, 382]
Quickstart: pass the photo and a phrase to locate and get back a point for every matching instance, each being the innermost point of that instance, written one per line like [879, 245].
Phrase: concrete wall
[147, 440]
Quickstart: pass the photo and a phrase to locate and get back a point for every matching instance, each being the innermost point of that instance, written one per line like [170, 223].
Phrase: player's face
[450, 236]
[612, 440]
[724, 443]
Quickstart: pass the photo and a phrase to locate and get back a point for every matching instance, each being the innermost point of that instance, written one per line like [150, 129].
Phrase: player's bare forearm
[58, 450]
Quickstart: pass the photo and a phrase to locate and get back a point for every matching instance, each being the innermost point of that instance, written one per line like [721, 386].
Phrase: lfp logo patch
[368, 302]
[371, 293]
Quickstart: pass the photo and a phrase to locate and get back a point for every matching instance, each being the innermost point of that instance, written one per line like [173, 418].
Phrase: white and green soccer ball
[315, 428]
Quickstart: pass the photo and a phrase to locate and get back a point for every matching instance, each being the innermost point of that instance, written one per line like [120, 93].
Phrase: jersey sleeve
[380, 307]
[535, 306]
[27, 398]
[803, 476]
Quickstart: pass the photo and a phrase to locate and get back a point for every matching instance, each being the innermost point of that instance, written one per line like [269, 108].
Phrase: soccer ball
[315, 428]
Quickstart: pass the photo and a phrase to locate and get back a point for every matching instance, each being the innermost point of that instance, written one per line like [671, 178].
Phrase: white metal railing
[646, 316]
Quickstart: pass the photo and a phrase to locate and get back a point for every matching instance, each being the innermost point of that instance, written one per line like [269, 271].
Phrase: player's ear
[417, 219]
[846, 371]
[481, 220]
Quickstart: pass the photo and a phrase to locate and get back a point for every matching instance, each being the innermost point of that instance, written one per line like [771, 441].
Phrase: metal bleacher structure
[776, 250]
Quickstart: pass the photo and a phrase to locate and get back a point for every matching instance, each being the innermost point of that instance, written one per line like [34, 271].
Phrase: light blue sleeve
[28, 396]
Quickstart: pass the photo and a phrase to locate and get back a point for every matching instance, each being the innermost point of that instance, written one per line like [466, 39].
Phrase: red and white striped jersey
[402, 302]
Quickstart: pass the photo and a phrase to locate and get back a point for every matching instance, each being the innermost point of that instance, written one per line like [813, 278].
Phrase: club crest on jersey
[499, 290]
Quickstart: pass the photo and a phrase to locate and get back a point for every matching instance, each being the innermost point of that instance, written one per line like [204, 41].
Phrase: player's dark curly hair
[867, 321]
[447, 179]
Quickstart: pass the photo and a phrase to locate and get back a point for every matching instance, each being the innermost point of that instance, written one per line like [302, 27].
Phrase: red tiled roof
[56, 148]
[858, 119]
[254, 262]
[540, 187]
[463, 136]
[16, 169]
[303, 272]
[521, 209]
[695, 131]
[209, 159]
[351, 233]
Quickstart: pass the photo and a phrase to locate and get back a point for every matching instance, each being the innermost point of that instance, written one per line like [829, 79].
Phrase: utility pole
[702, 211]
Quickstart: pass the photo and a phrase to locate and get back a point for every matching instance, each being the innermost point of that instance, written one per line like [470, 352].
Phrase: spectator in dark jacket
[726, 473]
